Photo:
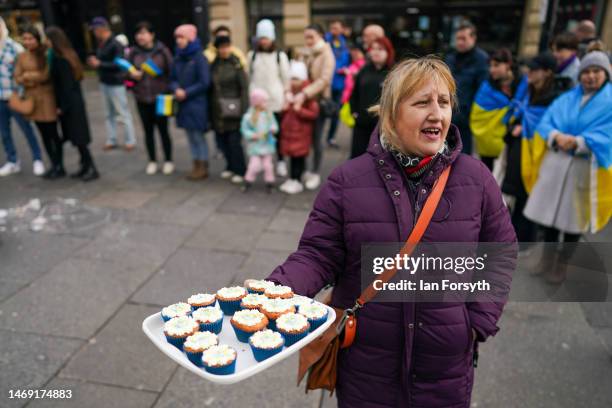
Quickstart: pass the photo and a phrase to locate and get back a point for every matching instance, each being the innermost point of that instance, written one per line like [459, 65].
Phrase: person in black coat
[66, 73]
[367, 91]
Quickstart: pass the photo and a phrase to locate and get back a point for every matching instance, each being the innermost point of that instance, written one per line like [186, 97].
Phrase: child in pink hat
[258, 128]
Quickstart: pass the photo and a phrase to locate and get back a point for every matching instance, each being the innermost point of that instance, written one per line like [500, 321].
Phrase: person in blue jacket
[189, 81]
[336, 40]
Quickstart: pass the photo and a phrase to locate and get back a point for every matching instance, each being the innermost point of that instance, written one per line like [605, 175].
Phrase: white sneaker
[306, 176]
[313, 182]
[168, 168]
[226, 174]
[151, 168]
[38, 168]
[283, 186]
[9, 168]
[281, 168]
[236, 179]
[295, 187]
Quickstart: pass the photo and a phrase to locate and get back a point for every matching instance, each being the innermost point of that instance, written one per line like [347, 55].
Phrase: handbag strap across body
[348, 322]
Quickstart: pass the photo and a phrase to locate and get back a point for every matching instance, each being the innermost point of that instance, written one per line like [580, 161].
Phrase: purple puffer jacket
[404, 354]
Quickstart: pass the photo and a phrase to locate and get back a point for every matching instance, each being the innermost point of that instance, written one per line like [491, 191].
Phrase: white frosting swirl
[266, 339]
[208, 314]
[291, 322]
[253, 299]
[233, 292]
[298, 300]
[248, 317]
[260, 285]
[313, 311]
[201, 299]
[180, 326]
[201, 340]
[177, 309]
[220, 355]
[277, 305]
[278, 290]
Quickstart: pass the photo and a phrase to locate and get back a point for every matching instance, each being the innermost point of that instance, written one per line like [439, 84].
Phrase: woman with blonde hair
[404, 353]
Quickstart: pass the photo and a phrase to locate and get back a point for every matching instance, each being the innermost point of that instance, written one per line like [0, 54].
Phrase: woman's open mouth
[432, 133]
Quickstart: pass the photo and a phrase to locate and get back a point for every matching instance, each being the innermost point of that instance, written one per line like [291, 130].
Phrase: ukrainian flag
[151, 68]
[491, 112]
[530, 116]
[124, 64]
[593, 122]
[164, 105]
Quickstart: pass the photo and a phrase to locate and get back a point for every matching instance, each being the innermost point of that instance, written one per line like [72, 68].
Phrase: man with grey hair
[586, 33]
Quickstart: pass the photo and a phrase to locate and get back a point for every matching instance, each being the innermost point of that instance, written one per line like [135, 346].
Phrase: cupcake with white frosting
[315, 312]
[178, 329]
[220, 359]
[252, 301]
[293, 326]
[258, 286]
[299, 300]
[201, 300]
[246, 322]
[282, 292]
[197, 343]
[266, 343]
[176, 310]
[209, 318]
[229, 299]
[273, 308]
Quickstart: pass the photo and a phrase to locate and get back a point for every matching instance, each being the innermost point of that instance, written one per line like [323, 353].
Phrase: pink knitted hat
[258, 97]
[189, 31]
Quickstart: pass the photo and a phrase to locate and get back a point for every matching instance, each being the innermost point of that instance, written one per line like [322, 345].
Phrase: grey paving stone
[301, 202]
[274, 387]
[289, 220]
[598, 314]
[232, 232]
[90, 395]
[279, 240]
[121, 354]
[26, 256]
[134, 245]
[121, 199]
[72, 300]
[260, 264]
[28, 361]
[256, 201]
[189, 271]
[9, 287]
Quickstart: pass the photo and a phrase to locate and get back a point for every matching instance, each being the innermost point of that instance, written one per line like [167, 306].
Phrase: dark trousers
[554, 235]
[333, 121]
[230, 146]
[53, 143]
[361, 138]
[298, 165]
[525, 229]
[278, 116]
[149, 120]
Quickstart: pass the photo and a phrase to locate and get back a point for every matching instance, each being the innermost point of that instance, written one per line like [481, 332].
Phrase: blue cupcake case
[249, 362]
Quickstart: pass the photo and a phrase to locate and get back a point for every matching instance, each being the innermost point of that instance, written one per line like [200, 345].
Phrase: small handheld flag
[151, 68]
[124, 65]
[165, 105]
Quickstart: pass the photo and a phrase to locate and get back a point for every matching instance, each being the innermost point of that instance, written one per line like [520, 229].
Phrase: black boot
[54, 173]
[80, 173]
[91, 174]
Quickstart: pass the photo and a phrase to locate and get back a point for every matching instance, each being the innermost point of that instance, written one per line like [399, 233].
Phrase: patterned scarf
[414, 166]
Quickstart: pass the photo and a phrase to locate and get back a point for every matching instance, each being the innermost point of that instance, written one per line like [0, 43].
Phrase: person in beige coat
[321, 65]
[32, 73]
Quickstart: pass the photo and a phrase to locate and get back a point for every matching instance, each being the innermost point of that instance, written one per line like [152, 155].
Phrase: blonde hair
[403, 81]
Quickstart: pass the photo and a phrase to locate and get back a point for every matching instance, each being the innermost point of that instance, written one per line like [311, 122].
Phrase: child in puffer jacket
[258, 128]
[297, 126]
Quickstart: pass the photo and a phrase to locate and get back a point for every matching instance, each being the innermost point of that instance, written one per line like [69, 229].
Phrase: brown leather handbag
[21, 104]
[320, 357]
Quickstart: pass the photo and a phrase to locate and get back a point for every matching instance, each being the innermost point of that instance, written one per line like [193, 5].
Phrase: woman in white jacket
[269, 70]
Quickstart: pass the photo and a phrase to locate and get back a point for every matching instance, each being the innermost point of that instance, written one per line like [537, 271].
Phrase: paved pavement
[73, 295]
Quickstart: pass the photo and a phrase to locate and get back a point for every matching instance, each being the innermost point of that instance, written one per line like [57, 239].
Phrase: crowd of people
[540, 125]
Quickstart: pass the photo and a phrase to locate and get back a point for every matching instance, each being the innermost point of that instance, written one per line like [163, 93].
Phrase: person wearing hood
[152, 77]
[367, 91]
[269, 70]
[572, 155]
[189, 81]
[321, 64]
[111, 84]
[9, 51]
[337, 42]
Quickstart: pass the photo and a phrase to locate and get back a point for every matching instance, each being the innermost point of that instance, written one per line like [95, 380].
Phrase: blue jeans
[7, 137]
[333, 122]
[117, 109]
[197, 144]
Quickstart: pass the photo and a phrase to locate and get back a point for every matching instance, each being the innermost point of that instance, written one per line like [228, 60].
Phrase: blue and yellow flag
[165, 105]
[124, 64]
[151, 68]
[491, 112]
[593, 122]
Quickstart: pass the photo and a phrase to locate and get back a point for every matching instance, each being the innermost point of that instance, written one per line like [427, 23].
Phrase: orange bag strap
[348, 323]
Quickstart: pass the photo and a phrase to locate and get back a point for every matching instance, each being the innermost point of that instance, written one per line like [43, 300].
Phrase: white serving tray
[246, 365]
